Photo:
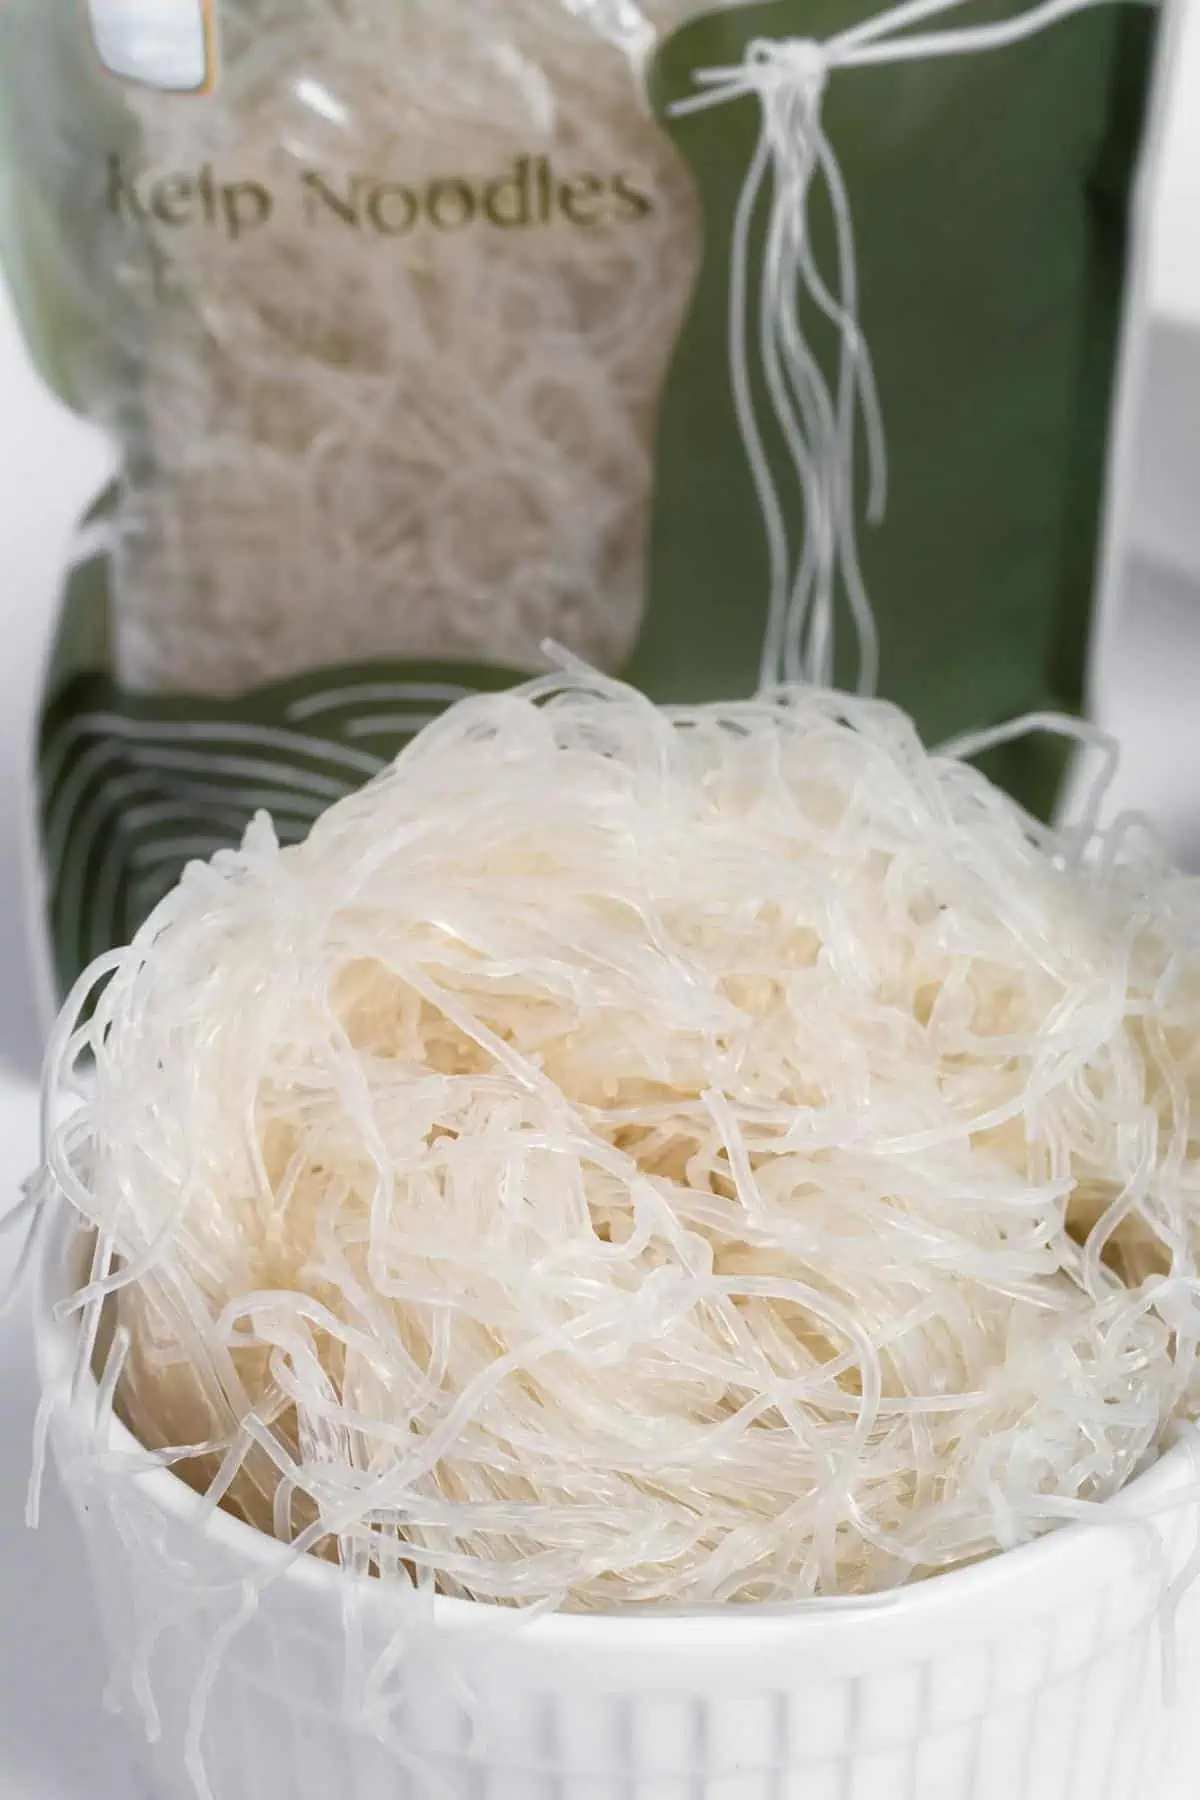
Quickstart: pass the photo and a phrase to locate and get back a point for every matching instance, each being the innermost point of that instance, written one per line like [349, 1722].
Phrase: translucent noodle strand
[641, 1157]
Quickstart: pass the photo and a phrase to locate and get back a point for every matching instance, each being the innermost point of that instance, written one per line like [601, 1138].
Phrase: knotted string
[818, 417]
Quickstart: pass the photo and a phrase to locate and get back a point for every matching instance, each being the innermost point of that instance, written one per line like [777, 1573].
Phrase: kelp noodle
[633, 1157]
[398, 400]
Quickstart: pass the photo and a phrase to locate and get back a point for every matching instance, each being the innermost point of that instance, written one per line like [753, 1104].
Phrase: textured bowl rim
[1057, 1563]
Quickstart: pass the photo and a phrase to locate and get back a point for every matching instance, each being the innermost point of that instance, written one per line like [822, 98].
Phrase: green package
[412, 322]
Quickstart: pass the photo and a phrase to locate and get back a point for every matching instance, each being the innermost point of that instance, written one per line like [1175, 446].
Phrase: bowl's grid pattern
[1067, 1706]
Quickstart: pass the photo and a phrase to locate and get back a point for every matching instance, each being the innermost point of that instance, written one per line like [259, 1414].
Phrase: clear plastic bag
[384, 319]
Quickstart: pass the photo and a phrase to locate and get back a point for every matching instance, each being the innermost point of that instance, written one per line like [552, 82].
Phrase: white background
[55, 1741]
[1146, 677]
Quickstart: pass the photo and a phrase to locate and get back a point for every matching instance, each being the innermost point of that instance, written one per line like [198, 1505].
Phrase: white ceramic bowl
[1036, 1676]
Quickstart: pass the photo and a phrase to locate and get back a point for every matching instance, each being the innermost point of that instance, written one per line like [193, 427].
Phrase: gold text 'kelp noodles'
[642, 1157]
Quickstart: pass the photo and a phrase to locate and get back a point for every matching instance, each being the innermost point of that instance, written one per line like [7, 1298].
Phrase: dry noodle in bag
[398, 417]
[398, 315]
[389, 312]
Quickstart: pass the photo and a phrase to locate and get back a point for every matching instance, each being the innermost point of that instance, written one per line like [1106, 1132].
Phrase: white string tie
[817, 414]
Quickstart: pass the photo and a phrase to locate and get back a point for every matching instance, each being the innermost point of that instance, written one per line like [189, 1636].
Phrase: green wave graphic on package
[134, 787]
